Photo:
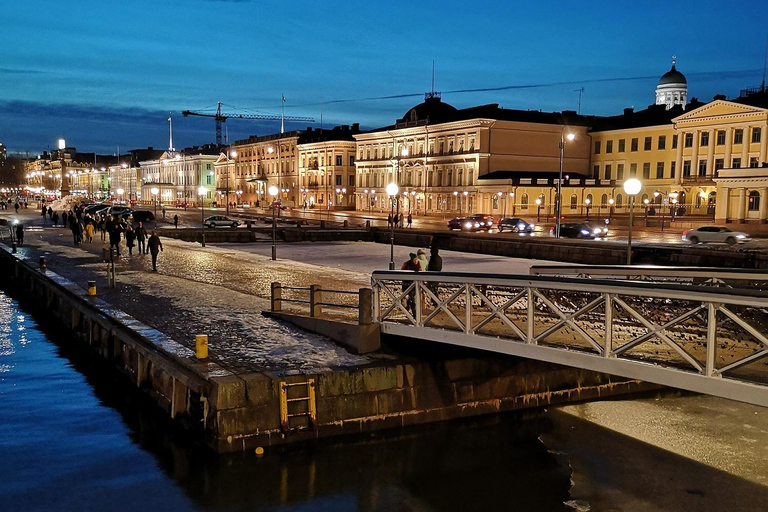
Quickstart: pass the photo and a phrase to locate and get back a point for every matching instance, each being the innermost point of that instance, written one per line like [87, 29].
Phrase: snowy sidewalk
[214, 291]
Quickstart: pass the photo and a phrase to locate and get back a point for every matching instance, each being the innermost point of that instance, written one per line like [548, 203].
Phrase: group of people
[399, 220]
[112, 228]
[419, 262]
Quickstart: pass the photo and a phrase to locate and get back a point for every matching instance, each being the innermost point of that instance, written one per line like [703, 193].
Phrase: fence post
[276, 303]
[315, 296]
[365, 307]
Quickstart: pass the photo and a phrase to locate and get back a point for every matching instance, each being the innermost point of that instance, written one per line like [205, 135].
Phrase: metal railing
[317, 299]
[702, 276]
[709, 340]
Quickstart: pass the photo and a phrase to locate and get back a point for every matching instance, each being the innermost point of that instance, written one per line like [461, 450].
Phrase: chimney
[355, 127]
[628, 111]
[719, 97]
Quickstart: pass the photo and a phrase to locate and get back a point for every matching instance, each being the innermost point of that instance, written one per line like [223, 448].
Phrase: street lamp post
[465, 193]
[632, 187]
[392, 190]
[273, 191]
[201, 191]
[538, 210]
[559, 199]
[232, 154]
[588, 202]
[610, 210]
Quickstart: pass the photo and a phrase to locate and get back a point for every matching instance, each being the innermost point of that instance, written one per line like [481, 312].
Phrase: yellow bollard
[201, 346]
[92, 288]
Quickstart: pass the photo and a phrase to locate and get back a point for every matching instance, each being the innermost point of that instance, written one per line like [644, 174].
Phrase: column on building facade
[679, 156]
[728, 143]
[745, 146]
[711, 153]
[763, 205]
[695, 154]
[722, 205]
[763, 145]
[742, 205]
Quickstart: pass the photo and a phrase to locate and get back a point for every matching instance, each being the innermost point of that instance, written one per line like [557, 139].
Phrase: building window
[719, 164]
[662, 142]
[703, 167]
[596, 171]
[621, 145]
[647, 143]
[756, 135]
[351, 160]
[597, 147]
[609, 146]
[633, 170]
[524, 202]
[351, 181]
[619, 200]
[736, 163]
[704, 139]
[674, 142]
[686, 168]
[688, 140]
[738, 136]
[754, 201]
[338, 179]
[607, 173]
[720, 138]
[672, 168]
[619, 172]
[633, 145]
[659, 170]
[339, 159]
[753, 161]
[574, 202]
[646, 170]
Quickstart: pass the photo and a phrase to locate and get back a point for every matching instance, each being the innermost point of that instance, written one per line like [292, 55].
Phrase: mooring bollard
[41, 262]
[92, 288]
[13, 248]
[201, 346]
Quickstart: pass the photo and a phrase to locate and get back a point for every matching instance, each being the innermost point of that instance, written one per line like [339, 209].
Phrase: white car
[715, 234]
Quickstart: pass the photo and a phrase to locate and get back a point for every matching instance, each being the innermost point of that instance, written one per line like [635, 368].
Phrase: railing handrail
[747, 297]
[649, 270]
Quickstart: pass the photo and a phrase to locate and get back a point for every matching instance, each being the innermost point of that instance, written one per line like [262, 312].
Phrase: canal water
[74, 436]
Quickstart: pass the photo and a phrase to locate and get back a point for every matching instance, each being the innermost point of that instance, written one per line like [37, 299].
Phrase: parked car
[143, 216]
[118, 210]
[577, 230]
[96, 208]
[715, 234]
[515, 224]
[220, 220]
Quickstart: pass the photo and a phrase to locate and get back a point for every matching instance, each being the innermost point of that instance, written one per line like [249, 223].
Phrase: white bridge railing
[709, 340]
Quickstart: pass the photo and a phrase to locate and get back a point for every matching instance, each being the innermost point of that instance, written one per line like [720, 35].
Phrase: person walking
[395, 219]
[176, 221]
[130, 239]
[16, 206]
[410, 221]
[113, 227]
[389, 220]
[435, 265]
[103, 228]
[50, 213]
[163, 211]
[55, 218]
[141, 238]
[414, 265]
[401, 219]
[20, 234]
[89, 230]
[155, 246]
[43, 211]
[421, 254]
[77, 231]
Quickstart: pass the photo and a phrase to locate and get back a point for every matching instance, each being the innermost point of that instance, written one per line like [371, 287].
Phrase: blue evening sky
[106, 73]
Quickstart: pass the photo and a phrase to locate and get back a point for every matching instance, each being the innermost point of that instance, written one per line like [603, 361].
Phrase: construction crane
[221, 118]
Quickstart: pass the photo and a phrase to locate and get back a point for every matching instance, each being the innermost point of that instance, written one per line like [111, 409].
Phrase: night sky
[106, 73]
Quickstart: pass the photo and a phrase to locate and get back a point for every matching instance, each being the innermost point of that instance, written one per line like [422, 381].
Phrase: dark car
[483, 221]
[577, 230]
[220, 220]
[515, 224]
[143, 216]
[463, 224]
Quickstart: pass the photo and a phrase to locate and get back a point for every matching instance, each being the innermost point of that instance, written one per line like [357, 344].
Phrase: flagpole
[282, 115]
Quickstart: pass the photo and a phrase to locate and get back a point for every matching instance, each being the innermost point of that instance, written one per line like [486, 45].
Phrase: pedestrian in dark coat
[155, 246]
[20, 234]
[50, 213]
[401, 218]
[395, 220]
[114, 236]
[411, 264]
[176, 221]
[55, 218]
[410, 221]
[130, 238]
[389, 220]
[77, 231]
[141, 238]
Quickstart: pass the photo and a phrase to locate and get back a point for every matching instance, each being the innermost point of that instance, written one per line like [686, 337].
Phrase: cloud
[9, 71]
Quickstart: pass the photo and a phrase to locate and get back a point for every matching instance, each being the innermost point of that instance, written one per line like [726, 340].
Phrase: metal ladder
[290, 408]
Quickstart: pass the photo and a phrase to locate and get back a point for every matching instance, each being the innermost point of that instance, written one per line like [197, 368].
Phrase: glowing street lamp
[632, 187]
[392, 190]
[273, 191]
[610, 210]
[202, 191]
[155, 191]
[588, 202]
[559, 205]
[538, 210]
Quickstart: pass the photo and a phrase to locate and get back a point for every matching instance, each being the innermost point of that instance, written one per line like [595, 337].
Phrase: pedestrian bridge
[705, 339]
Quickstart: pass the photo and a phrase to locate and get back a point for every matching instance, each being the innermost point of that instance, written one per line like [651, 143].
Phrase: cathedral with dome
[672, 88]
